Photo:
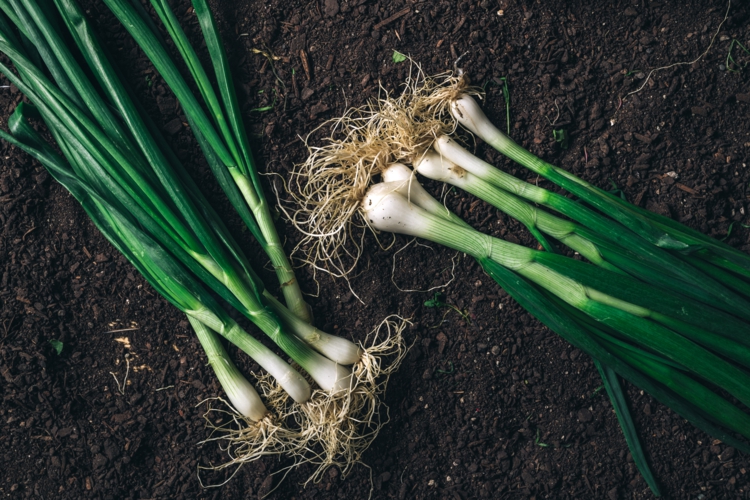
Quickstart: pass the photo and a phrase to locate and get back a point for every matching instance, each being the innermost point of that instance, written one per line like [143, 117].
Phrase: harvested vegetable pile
[138, 194]
[658, 303]
[103, 375]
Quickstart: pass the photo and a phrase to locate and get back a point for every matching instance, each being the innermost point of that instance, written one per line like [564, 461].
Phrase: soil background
[494, 407]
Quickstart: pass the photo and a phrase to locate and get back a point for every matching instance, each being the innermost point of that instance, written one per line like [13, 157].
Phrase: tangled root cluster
[329, 429]
[346, 423]
[328, 188]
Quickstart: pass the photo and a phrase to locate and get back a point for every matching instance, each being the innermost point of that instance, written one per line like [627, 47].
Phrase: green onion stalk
[398, 174]
[231, 159]
[709, 257]
[241, 393]
[262, 432]
[563, 229]
[610, 297]
[590, 234]
[119, 167]
[664, 333]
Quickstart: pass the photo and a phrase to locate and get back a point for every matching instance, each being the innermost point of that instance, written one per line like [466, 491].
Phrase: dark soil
[498, 407]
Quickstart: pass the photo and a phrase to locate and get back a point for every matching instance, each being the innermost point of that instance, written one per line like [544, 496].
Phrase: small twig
[123, 330]
[164, 388]
[389, 20]
[305, 64]
[648, 77]
[270, 58]
[295, 89]
[459, 25]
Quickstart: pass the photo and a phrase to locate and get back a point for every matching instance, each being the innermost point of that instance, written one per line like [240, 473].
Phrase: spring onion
[240, 392]
[167, 276]
[415, 193]
[117, 164]
[388, 210]
[620, 251]
[623, 248]
[154, 204]
[656, 303]
[658, 230]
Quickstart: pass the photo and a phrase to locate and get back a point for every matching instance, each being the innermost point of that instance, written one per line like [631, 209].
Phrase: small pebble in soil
[584, 415]
[331, 8]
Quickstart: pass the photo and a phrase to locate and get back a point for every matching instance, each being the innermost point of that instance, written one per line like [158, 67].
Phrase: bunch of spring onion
[658, 304]
[117, 164]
